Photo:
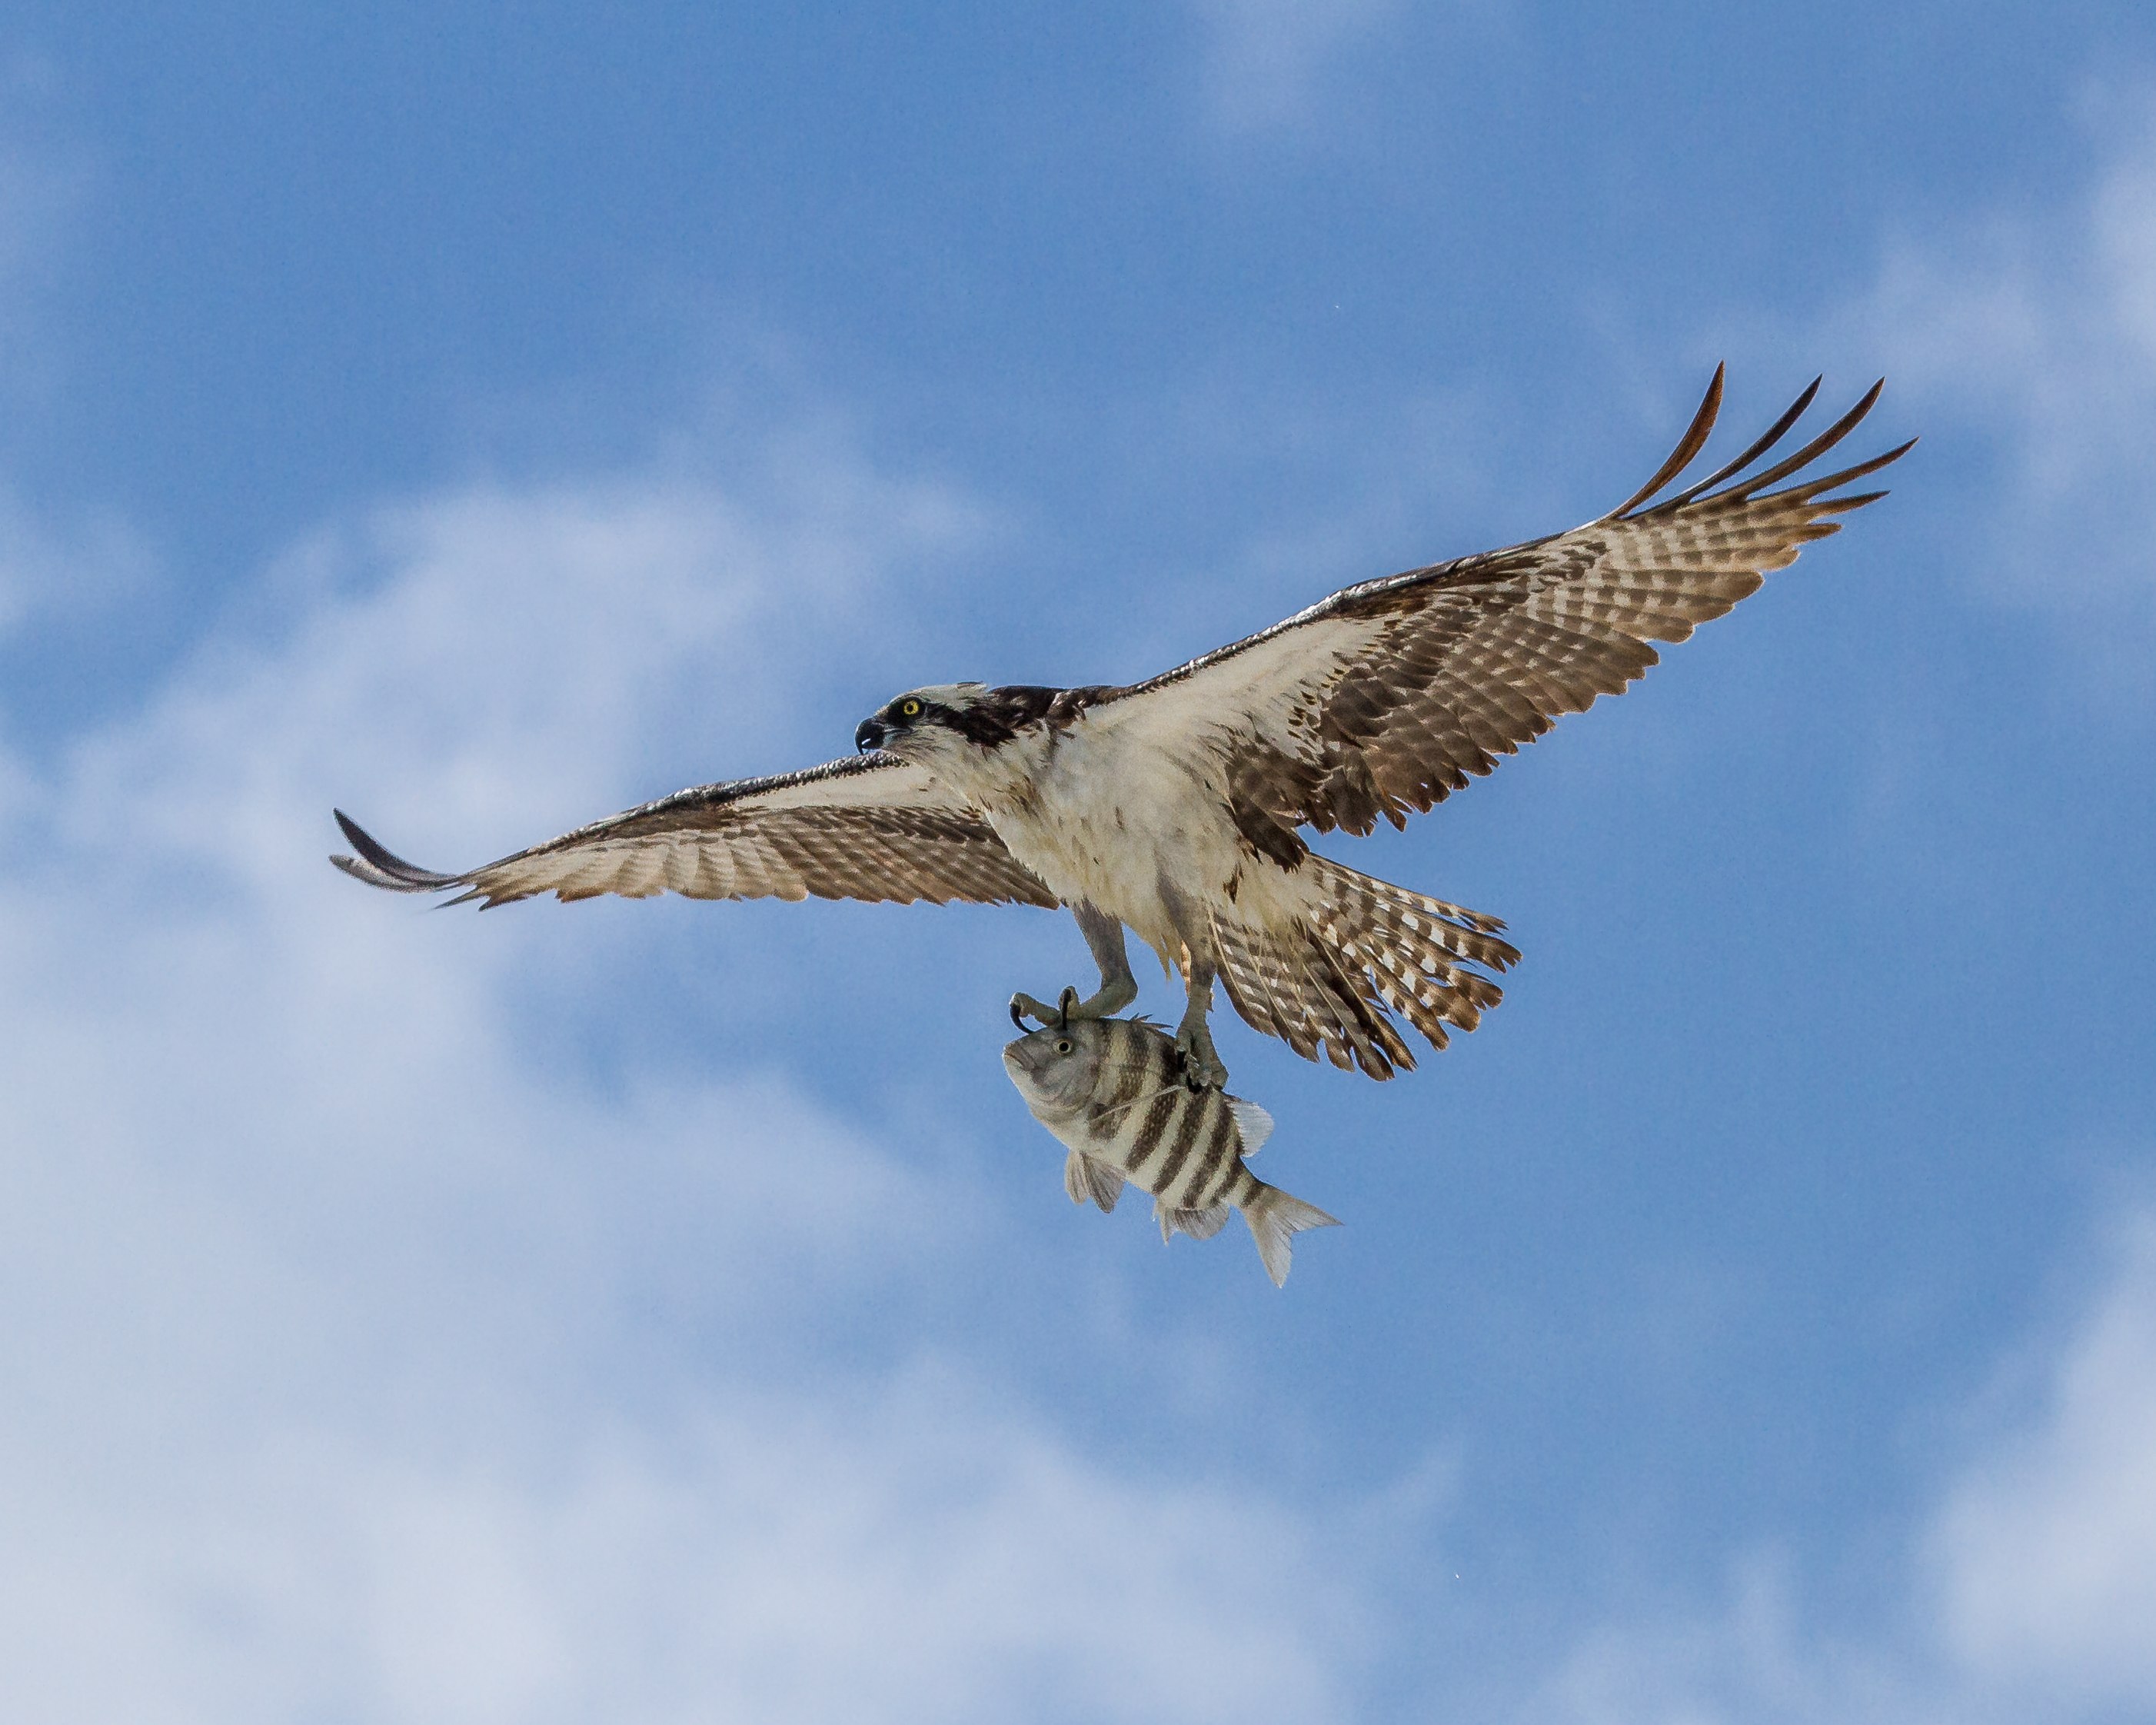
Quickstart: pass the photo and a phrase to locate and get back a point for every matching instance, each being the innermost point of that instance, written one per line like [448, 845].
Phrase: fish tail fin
[1274, 1218]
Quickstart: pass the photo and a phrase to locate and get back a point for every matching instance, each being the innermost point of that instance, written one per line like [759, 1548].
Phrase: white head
[947, 720]
[923, 723]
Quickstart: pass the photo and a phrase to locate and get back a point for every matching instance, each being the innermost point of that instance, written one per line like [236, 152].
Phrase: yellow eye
[909, 709]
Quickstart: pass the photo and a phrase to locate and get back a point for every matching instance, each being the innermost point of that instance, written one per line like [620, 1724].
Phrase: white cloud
[357, 1366]
[77, 571]
[2026, 1590]
[1264, 57]
[2039, 328]
[921, 1553]
[2046, 1552]
[1754, 1660]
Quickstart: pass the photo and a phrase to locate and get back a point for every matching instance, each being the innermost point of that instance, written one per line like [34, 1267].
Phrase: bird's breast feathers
[1105, 819]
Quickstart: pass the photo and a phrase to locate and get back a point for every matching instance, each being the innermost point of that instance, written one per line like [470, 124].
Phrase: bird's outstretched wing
[867, 827]
[1387, 697]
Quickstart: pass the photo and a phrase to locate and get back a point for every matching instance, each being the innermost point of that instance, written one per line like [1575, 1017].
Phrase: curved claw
[1025, 1006]
[1203, 1068]
[1068, 1006]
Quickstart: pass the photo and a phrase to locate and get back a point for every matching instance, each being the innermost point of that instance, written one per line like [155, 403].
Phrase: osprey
[1175, 807]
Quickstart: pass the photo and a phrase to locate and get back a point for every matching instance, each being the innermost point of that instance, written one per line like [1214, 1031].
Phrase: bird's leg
[1202, 1067]
[1104, 936]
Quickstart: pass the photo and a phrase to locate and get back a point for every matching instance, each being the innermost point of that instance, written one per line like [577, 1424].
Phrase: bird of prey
[1176, 806]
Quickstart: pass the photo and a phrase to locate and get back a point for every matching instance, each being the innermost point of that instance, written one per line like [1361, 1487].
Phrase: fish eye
[1063, 1046]
[909, 709]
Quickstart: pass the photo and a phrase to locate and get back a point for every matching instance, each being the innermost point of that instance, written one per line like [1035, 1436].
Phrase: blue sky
[483, 418]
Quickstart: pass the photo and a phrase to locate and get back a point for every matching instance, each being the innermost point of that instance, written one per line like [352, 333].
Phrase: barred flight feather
[1327, 986]
[1176, 806]
[1387, 697]
[870, 827]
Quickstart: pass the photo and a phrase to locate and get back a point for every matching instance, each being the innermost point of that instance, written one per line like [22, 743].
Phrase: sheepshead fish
[1114, 1090]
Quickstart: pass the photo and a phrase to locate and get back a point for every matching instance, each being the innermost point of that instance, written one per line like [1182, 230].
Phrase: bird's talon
[1202, 1066]
[1068, 1007]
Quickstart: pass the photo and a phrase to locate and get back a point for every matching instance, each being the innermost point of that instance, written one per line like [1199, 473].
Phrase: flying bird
[1176, 806]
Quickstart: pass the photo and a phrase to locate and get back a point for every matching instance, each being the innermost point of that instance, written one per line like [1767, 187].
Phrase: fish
[1114, 1091]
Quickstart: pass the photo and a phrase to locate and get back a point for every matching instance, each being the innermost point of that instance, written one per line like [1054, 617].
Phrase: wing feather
[1388, 696]
[868, 827]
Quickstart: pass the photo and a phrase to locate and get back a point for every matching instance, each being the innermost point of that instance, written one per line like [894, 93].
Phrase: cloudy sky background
[657, 1311]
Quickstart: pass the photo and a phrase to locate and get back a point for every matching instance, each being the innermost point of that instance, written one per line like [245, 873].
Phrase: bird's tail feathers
[1291, 985]
[1365, 950]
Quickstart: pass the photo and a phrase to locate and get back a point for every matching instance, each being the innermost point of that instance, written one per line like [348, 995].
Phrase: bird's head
[923, 723]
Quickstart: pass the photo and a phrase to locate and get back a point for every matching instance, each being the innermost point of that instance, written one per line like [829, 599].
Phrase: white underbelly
[1106, 826]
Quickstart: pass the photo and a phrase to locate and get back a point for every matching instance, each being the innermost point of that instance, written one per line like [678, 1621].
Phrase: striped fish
[1113, 1090]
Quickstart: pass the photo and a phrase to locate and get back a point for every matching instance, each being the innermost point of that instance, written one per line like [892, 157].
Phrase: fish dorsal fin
[1253, 1122]
[1085, 1176]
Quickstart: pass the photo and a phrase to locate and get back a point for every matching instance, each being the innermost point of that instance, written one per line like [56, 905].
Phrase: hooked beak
[871, 735]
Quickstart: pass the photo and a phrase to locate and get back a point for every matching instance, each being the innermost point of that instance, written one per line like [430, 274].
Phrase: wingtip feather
[1688, 446]
[378, 865]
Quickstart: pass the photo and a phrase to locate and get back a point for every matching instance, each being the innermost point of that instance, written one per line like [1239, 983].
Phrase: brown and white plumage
[1387, 697]
[867, 827]
[1175, 806]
